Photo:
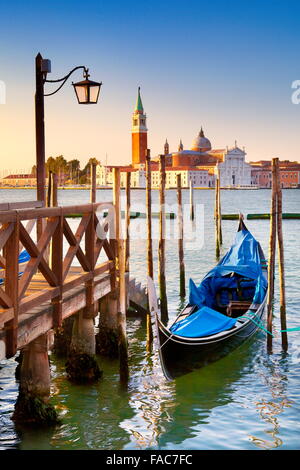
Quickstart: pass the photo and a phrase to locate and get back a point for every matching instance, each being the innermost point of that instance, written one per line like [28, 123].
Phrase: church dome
[201, 143]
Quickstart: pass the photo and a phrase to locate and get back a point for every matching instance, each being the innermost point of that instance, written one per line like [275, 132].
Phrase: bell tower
[139, 133]
[166, 148]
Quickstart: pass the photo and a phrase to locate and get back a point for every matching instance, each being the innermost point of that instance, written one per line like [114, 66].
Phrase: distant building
[104, 176]
[200, 178]
[234, 171]
[18, 180]
[261, 174]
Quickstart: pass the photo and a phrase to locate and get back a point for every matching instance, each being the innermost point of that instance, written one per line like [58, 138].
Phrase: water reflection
[151, 397]
[199, 393]
[275, 376]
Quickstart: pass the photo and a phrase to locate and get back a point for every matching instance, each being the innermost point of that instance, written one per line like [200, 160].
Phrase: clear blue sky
[225, 65]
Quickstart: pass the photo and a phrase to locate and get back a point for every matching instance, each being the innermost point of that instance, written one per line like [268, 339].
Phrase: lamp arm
[64, 79]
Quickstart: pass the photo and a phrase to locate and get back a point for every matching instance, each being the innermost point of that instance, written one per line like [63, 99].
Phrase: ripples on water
[247, 400]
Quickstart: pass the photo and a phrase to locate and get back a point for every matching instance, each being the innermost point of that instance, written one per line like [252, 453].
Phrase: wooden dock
[50, 288]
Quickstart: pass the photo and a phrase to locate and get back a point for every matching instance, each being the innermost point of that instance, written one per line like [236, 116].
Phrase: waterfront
[248, 400]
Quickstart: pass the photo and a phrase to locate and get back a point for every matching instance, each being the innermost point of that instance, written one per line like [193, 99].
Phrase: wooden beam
[284, 339]
[57, 267]
[127, 222]
[162, 242]
[149, 215]
[272, 253]
[11, 288]
[5, 232]
[38, 261]
[180, 239]
[8, 206]
[74, 241]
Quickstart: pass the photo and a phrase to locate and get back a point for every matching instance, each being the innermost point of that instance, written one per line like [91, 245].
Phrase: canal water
[248, 400]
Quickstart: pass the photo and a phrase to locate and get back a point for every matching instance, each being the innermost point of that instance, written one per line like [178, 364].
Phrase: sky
[225, 65]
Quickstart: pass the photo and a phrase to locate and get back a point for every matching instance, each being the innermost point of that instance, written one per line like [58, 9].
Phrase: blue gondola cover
[203, 322]
[243, 259]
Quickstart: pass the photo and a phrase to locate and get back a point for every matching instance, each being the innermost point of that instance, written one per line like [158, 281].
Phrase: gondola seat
[204, 322]
[237, 308]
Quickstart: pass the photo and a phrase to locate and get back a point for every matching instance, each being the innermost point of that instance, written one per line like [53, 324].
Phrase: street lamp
[87, 92]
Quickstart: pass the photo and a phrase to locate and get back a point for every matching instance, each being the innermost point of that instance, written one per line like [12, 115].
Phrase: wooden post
[33, 405]
[180, 239]
[120, 251]
[162, 241]
[82, 366]
[117, 207]
[40, 129]
[11, 287]
[122, 337]
[284, 339]
[40, 139]
[149, 245]
[272, 247]
[192, 215]
[93, 183]
[56, 262]
[219, 210]
[49, 192]
[51, 202]
[217, 233]
[107, 337]
[127, 221]
[149, 215]
[54, 184]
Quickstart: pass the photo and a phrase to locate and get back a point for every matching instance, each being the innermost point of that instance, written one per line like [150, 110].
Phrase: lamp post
[87, 92]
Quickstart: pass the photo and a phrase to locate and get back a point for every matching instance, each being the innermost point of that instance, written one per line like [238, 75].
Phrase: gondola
[226, 309]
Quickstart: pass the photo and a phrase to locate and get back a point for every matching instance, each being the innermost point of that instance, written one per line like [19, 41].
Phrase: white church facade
[233, 170]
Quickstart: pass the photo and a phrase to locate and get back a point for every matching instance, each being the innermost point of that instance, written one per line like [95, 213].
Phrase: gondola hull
[181, 355]
[182, 347]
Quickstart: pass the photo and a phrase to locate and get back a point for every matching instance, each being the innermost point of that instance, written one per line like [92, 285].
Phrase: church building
[199, 164]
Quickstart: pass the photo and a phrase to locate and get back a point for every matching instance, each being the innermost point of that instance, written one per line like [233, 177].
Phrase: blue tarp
[203, 322]
[239, 268]
[243, 259]
[23, 258]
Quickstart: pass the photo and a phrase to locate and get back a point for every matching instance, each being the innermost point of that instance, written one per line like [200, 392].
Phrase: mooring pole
[54, 198]
[93, 182]
[149, 215]
[49, 191]
[127, 220]
[217, 233]
[127, 235]
[284, 339]
[219, 210]
[272, 251]
[162, 242]
[149, 244]
[180, 239]
[192, 214]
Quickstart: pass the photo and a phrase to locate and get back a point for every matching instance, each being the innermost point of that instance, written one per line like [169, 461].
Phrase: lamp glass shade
[87, 92]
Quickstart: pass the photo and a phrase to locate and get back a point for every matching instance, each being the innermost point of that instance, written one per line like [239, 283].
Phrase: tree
[73, 169]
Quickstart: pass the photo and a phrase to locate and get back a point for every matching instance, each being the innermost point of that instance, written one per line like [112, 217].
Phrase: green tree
[73, 169]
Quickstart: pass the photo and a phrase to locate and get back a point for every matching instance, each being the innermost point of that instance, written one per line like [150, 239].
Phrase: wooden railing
[48, 258]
